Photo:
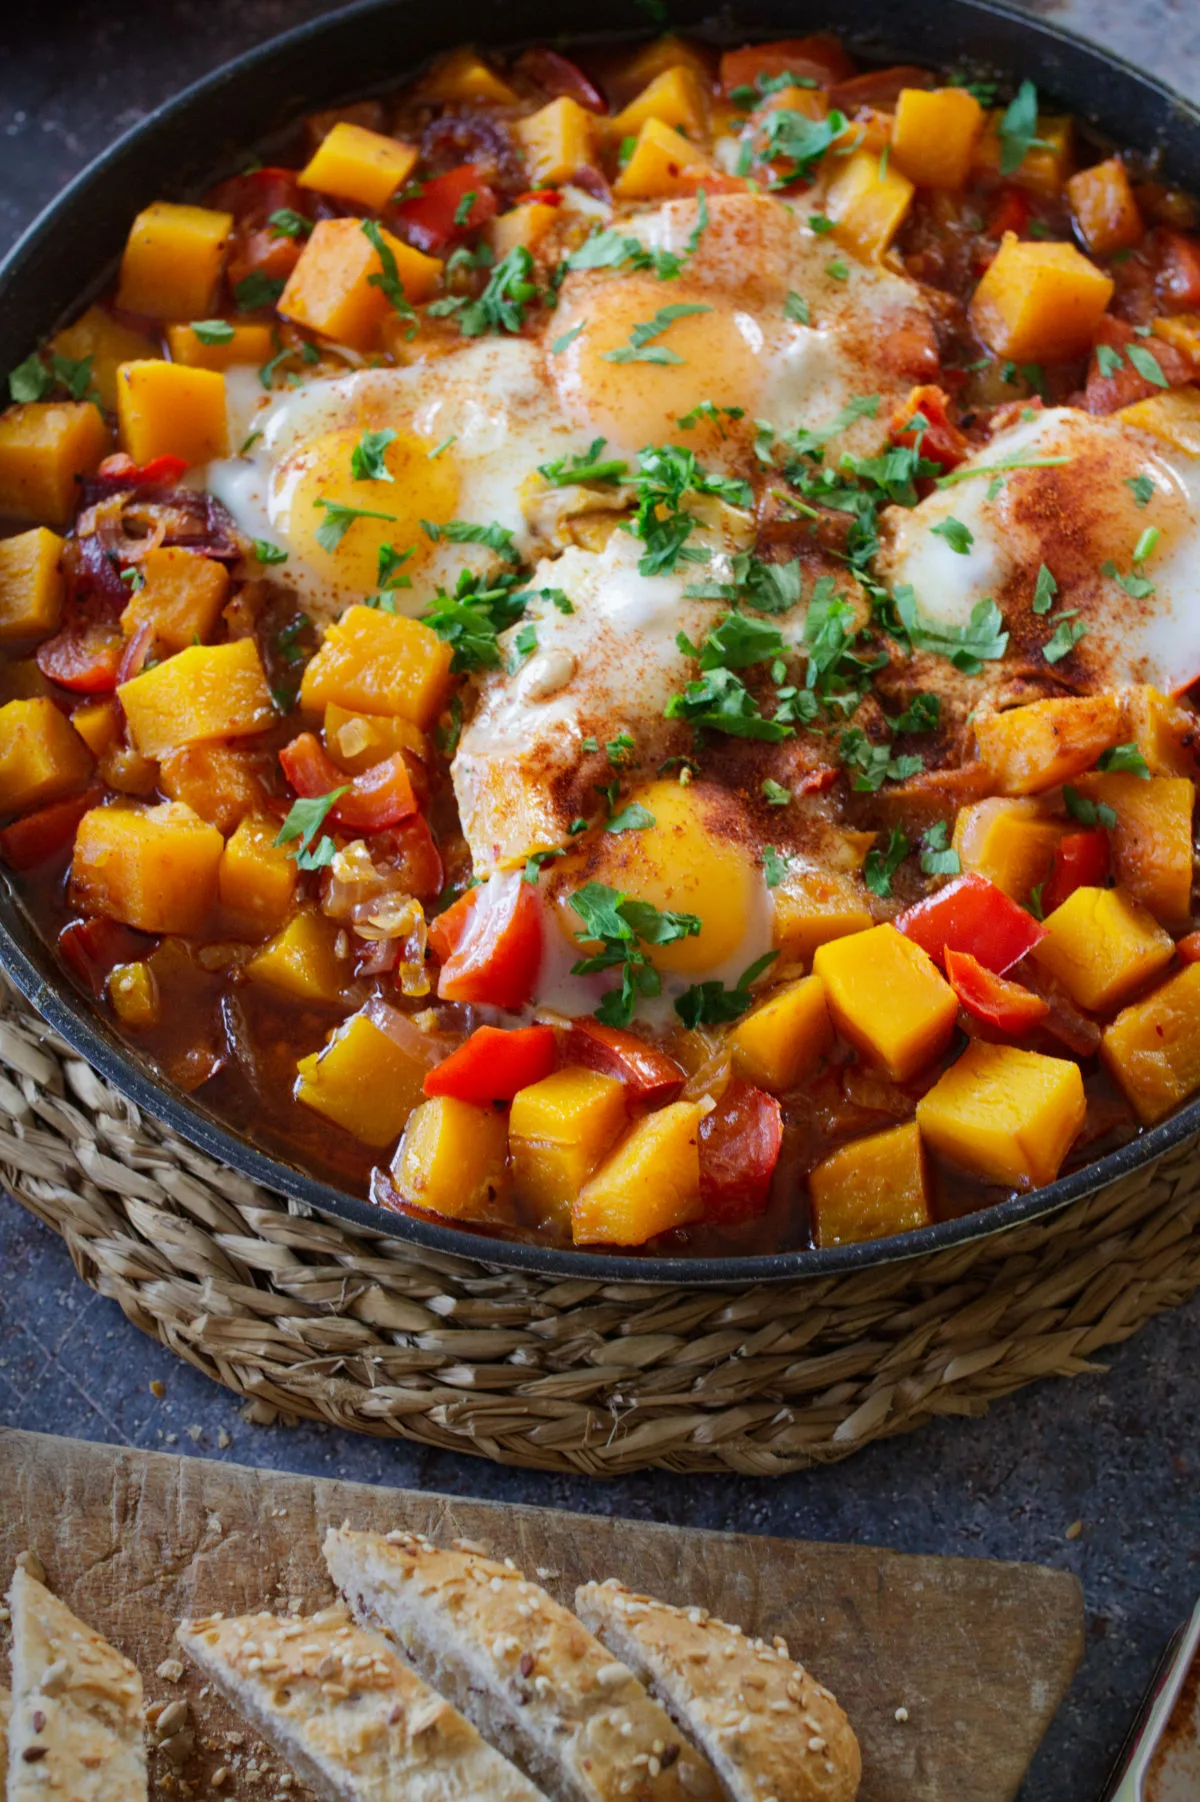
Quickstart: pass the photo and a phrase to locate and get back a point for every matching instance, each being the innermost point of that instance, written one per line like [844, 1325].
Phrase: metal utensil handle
[1128, 1782]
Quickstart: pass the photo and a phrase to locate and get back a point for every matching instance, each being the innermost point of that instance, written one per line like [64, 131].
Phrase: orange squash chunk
[784, 1038]
[1007, 1116]
[207, 691]
[363, 1080]
[172, 261]
[875, 1186]
[559, 1129]
[376, 662]
[648, 1185]
[1039, 302]
[330, 289]
[42, 757]
[181, 597]
[151, 867]
[1102, 946]
[888, 998]
[452, 1161]
[46, 449]
[934, 135]
[31, 586]
[1106, 212]
[1153, 1047]
[1152, 839]
[167, 410]
[1037, 746]
[257, 878]
[1011, 842]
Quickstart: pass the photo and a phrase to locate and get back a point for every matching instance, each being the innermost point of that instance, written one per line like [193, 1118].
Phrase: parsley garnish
[624, 926]
[796, 308]
[707, 409]
[462, 211]
[880, 866]
[32, 381]
[938, 857]
[959, 537]
[712, 1004]
[560, 344]
[258, 290]
[213, 331]
[640, 349]
[774, 792]
[536, 860]
[585, 468]
[1139, 588]
[1018, 130]
[366, 461]
[775, 866]
[1068, 631]
[611, 249]
[1109, 360]
[524, 645]
[718, 700]
[1045, 589]
[1147, 365]
[966, 647]
[286, 223]
[666, 473]
[1086, 811]
[1124, 759]
[1142, 489]
[1003, 466]
[873, 764]
[387, 277]
[269, 553]
[304, 821]
[472, 618]
[633, 818]
[461, 531]
[338, 520]
[501, 306]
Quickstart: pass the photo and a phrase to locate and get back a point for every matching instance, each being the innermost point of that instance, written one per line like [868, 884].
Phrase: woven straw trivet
[312, 1316]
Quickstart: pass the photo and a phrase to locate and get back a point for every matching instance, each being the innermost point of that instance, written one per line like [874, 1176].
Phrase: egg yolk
[709, 355]
[318, 478]
[691, 860]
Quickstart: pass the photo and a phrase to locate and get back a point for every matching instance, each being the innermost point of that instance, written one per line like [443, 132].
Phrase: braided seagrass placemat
[306, 1315]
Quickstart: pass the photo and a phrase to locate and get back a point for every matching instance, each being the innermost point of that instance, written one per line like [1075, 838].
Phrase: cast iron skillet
[68, 255]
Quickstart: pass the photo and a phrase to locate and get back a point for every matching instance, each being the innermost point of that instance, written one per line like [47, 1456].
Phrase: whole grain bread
[346, 1713]
[522, 1667]
[771, 1732]
[75, 1725]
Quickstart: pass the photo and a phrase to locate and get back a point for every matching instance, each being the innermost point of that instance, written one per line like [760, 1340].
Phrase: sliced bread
[346, 1713]
[522, 1667]
[770, 1731]
[75, 1726]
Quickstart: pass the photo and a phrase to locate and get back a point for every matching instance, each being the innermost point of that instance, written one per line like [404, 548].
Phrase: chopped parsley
[791, 140]
[1086, 811]
[967, 647]
[1002, 466]
[524, 645]
[1124, 760]
[633, 818]
[501, 306]
[1109, 360]
[611, 249]
[589, 467]
[666, 473]
[472, 618]
[213, 331]
[536, 860]
[880, 866]
[1146, 544]
[1068, 632]
[718, 700]
[462, 211]
[387, 277]
[959, 537]
[366, 460]
[873, 764]
[623, 927]
[796, 308]
[287, 223]
[775, 866]
[712, 1004]
[774, 793]
[462, 531]
[1044, 590]
[1141, 488]
[1147, 365]
[1017, 130]
[338, 520]
[304, 821]
[938, 857]
[1138, 587]
[641, 349]
[707, 409]
[560, 344]
[269, 553]
[258, 290]
[33, 381]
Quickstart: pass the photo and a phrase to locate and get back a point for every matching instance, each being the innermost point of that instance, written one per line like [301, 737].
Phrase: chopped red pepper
[490, 943]
[649, 1074]
[431, 219]
[159, 472]
[1081, 860]
[940, 440]
[739, 1148]
[493, 1064]
[1179, 270]
[92, 947]
[1003, 1004]
[36, 837]
[539, 197]
[972, 914]
[1011, 211]
[85, 656]
[412, 850]
[382, 796]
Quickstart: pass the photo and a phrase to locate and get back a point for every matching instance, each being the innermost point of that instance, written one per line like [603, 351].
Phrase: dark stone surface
[1117, 1452]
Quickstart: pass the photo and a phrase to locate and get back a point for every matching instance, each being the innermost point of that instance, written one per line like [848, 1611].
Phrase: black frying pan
[69, 254]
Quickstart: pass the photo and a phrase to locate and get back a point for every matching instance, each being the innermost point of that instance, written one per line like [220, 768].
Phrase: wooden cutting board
[980, 1654]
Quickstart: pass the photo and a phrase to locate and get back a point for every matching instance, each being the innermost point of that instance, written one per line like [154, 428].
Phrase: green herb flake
[213, 331]
[712, 1004]
[338, 520]
[304, 821]
[1086, 811]
[286, 223]
[960, 538]
[880, 866]
[367, 458]
[1125, 760]
[641, 349]
[633, 818]
[1147, 365]
[796, 308]
[938, 857]
[774, 793]
[269, 553]
[258, 290]
[1044, 591]
[1017, 130]
[1141, 488]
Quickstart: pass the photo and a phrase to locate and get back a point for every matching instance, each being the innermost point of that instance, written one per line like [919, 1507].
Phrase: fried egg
[1092, 493]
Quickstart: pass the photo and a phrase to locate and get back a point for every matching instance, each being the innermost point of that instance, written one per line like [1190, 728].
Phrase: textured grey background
[1118, 1453]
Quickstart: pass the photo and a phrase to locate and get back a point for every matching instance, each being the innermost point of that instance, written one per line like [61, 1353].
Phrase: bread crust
[346, 1713]
[770, 1729]
[525, 1669]
[75, 1725]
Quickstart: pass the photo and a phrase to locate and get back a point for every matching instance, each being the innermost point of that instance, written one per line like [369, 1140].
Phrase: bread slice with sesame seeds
[346, 1713]
[769, 1729]
[75, 1723]
[522, 1667]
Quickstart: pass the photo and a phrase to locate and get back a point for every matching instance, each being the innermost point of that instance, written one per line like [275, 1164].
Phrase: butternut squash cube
[522, 226]
[167, 410]
[888, 998]
[1152, 1047]
[1039, 302]
[330, 289]
[134, 995]
[98, 723]
[376, 662]
[674, 97]
[867, 203]
[651, 59]
[357, 740]
[219, 782]
[358, 165]
[1174, 417]
[96, 334]
[1011, 842]
[814, 906]
[181, 597]
[1163, 731]
[783, 1039]
[1106, 213]
[41, 758]
[253, 341]
[301, 960]
[663, 164]
[363, 1080]
[46, 449]
[557, 140]
[1037, 746]
[465, 76]
[172, 261]
[872, 1188]
[934, 135]
[1101, 946]
[257, 878]
[1182, 331]
[1152, 839]
[649, 1185]
[31, 586]
[207, 691]
[151, 867]
[452, 1161]
[559, 1129]
[1045, 165]
[1005, 1115]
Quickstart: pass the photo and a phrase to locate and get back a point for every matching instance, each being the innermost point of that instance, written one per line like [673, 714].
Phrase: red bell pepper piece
[37, 837]
[159, 472]
[490, 943]
[85, 656]
[493, 1064]
[1188, 948]
[1081, 860]
[1179, 270]
[382, 796]
[411, 849]
[431, 217]
[1011, 211]
[739, 1149]
[972, 914]
[1003, 1004]
[93, 947]
[649, 1074]
[820, 56]
[940, 440]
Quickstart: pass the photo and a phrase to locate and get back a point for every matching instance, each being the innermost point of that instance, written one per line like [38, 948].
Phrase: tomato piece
[1011, 211]
[649, 1074]
[36, 837]
[254, 196]
[816, 782]
[971, 914]
[411, 849]
[539, 197]
[1189, 948]
[1109, 393]
[878, 89]
[940, 441]
[92, 947]
[557, 76]
[159, 472]
[382, 796]
[493, 1064]
[991, 998]
[1081, 860]
[1179, 270]
[490, 943]
[85, 656]
[819, 57]
[739, 1149]
[431, 218]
